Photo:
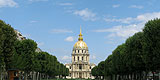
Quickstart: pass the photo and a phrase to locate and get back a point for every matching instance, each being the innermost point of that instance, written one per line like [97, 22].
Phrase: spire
[80, 35]
[80, 30]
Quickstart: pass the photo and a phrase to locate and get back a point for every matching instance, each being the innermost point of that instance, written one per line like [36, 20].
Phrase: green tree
[134, 48]
[1, 49]
[108, 67]
[119, 61]
[17, 59]
[67, 72]
[8, 38]
[94, 72]
[101, 66]
[152, 45]
[26, 50]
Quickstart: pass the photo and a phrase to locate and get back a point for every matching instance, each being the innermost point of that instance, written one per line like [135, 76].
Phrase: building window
[70, 67]
[78, 58]
[82, 51]
[80, 66]
[74, 58]
[82, 58]
[78, 51]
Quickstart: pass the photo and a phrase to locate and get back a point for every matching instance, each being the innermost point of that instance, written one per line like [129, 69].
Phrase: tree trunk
[25, 76]
[111, 77]
[153, 75]
[115, 77]
[37, 75]
[1, 75]
[128, 77]
[135, 76]
[32, 75]
[141, 76]
[6, 75]
[131, 76]
[40, 76]
[19, 76]
[47, 77]
[146, 75]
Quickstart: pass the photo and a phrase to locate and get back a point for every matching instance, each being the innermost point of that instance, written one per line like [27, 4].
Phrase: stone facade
[80, 66]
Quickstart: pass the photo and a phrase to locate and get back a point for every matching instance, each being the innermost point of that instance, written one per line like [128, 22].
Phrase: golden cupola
[80, 43]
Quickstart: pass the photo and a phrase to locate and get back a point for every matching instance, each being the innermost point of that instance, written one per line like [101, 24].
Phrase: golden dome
[80, 43]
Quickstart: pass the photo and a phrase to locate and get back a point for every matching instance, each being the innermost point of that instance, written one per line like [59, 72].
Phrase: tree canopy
[21, 55]
[136, 57]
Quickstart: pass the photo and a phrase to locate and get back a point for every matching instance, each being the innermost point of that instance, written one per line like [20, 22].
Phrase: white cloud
[136, 6]
[148, 16]
[61, 31]
[122, 31]
[8, 3]
[69, 39]
[33, 21]
[116, 6]
[134, 25]
[92, 57]
[66, 58]
[86, 14]
[139, 19]
[125, 20]
[65, 4]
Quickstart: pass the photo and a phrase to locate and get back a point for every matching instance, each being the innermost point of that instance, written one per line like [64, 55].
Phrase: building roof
[80, 43]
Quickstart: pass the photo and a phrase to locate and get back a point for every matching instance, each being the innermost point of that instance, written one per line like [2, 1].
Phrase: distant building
[20, 37]
[80, 66]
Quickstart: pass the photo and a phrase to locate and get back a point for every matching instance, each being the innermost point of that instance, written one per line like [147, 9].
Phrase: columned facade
[80, 66]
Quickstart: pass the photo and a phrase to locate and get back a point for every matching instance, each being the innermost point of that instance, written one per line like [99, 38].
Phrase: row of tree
[21, 55]
[134, 59]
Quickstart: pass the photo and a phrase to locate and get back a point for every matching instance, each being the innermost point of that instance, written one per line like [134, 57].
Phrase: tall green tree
[94, 72]
[108, 67]
[101, 66]
[7, 41]
[119, 60]
[1, 56]
[134, 49]
[26, 50]
[152, 45]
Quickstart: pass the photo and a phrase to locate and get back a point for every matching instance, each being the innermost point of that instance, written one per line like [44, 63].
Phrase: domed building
[80, 66]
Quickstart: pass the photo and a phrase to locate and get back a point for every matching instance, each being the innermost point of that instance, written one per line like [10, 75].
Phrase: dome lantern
[80, 36]
[80, 43]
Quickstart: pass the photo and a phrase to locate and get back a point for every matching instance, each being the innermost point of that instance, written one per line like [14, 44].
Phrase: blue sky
[55, 24]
